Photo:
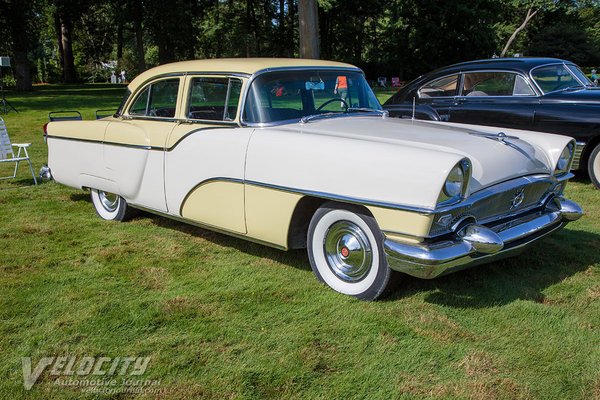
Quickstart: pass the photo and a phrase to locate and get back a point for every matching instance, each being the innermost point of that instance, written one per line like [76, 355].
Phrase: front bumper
[475, 244]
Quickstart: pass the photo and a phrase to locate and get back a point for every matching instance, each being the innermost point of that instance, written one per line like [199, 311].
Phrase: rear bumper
[475, 244]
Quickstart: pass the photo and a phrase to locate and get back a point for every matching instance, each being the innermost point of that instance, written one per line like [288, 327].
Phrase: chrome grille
[577, 156]
[496, 202]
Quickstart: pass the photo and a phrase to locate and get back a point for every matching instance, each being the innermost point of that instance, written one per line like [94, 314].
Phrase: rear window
[442, 87]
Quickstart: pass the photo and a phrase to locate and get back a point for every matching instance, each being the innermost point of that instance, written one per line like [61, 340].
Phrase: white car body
[263, 180]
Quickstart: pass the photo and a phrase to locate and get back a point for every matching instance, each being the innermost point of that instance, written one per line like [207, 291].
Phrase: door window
[481, 84]
[214, 99]
[157, 100]
[443, 87]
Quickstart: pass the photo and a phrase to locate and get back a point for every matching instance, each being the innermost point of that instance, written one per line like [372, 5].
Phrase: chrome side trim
[132, 146]
[142, 147]
[577, 155]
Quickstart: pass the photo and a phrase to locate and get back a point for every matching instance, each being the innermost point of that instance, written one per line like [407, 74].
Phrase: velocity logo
[105, 368]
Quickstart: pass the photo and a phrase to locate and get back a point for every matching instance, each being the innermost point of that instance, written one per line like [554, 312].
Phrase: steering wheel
[331, 101]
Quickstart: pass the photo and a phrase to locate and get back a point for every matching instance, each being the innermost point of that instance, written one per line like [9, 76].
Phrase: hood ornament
[500, 136]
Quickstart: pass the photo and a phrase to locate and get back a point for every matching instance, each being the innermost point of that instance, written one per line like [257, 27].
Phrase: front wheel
[345, 248]
[594, 166]
[110, 206]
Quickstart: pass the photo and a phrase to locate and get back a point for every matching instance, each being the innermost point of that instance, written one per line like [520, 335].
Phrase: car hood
[587, 95]
[493, 160]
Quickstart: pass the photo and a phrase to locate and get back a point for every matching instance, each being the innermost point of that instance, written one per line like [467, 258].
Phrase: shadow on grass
[293, 258]
[523, 277]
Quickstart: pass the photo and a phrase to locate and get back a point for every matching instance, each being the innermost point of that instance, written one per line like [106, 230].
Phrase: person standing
[341, 88]
[594, 77]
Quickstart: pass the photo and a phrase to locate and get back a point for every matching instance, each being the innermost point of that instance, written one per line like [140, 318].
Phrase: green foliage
[395, 37]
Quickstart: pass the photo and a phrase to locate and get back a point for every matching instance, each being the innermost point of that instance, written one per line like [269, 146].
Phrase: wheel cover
[348, 251]
[109, 201]
[596, 167]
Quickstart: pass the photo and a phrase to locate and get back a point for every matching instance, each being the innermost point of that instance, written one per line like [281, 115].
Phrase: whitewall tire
[594, 166]
[111, 207]
[345, 248]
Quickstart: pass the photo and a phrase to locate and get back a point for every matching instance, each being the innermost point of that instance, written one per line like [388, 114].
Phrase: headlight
[564, 161]
[454, 182]
[455, 186]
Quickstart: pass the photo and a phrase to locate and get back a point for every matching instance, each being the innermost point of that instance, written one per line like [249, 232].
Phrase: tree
[309, 28]
[533, 7]
[19, 16]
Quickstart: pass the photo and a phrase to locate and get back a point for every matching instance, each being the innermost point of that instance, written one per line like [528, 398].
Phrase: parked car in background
[542, 94]
[299, 154]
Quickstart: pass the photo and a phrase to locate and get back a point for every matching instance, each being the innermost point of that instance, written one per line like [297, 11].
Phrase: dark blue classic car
[541, 94]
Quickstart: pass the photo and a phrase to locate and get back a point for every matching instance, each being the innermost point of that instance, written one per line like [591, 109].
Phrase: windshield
[291, 95]
[558, 77]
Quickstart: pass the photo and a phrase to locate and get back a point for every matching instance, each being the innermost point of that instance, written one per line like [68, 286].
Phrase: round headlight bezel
[455, 180]
[456, 184]
[563, 165]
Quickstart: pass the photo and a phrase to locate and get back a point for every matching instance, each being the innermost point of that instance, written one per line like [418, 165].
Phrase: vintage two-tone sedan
[299, 154]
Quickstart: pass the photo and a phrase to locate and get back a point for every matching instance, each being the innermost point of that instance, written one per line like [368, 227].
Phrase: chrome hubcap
[348, 251]
[596, 167]
[109, 201]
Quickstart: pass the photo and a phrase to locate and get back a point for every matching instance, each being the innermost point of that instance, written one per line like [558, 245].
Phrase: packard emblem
[518, 198]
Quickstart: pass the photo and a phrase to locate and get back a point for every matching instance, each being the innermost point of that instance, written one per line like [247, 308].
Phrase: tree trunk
[119, 40]
[283, 45]
[528, 17]
[291, 35]
[58, 30]
[69, 75]
[138, 17]
[309, 28]
[18, 25]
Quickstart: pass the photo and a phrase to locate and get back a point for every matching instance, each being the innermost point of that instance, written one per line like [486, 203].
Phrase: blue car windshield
[292, 95]
[552, 78]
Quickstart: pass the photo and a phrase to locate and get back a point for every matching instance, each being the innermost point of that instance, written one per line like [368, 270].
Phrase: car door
[495, 98]
[206, 153]
[439, 94]
[134, 146]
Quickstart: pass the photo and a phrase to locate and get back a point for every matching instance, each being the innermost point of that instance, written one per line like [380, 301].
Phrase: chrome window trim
[508, 71]
[258, 73]
[141, 88]
[549, 65]
[209, 121]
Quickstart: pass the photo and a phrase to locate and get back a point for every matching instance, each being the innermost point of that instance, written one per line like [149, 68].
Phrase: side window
[522, 88]
[443, 87]
[480, 84]
[157, 100]
[140, 105]
[214, 99]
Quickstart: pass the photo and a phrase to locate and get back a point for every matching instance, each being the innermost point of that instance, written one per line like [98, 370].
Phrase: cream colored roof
[239, 65]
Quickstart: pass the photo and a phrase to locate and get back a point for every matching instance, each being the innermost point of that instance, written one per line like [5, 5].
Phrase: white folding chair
[7, 154]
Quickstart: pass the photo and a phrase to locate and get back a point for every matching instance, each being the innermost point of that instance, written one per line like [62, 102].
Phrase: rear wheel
[345, 248]
[110, 206]
[594, 166]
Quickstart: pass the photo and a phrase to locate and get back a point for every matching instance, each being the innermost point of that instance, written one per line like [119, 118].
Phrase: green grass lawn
[225, 318]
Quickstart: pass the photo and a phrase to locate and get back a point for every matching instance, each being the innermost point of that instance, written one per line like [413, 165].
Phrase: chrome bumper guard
[475, 244]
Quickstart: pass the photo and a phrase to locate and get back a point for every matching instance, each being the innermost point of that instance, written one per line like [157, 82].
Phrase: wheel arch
[303, 213]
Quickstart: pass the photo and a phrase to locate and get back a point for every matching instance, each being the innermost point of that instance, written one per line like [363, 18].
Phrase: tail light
[45, 129]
